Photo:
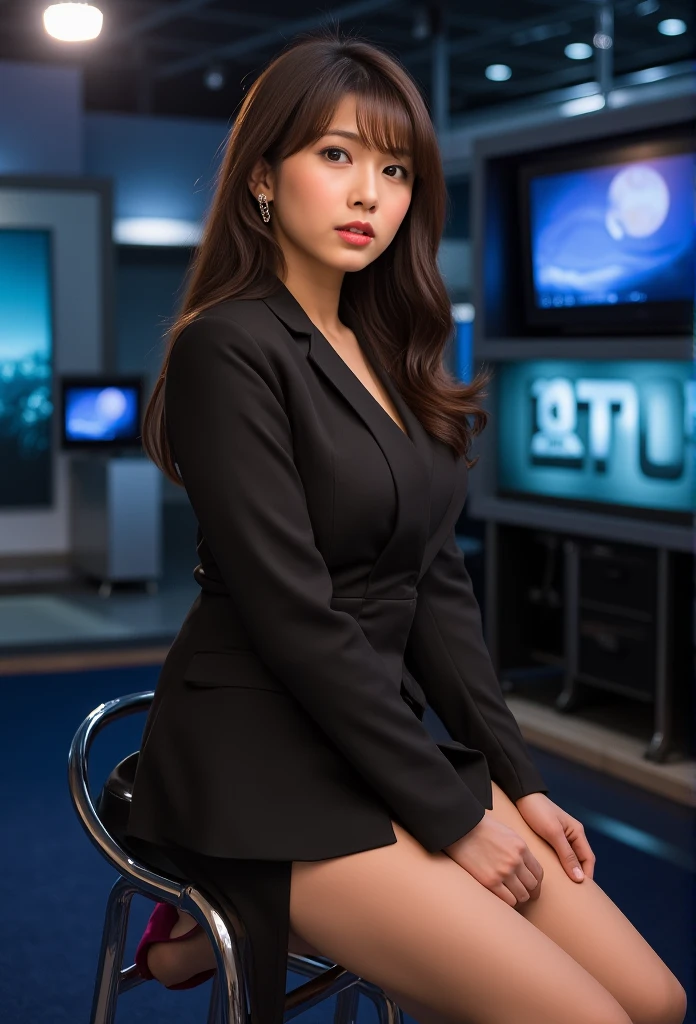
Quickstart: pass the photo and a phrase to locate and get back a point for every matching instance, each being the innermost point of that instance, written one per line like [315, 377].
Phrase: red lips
[361, 225]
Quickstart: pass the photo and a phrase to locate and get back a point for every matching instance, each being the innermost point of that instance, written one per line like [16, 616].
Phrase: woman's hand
[565, 833]
[500, 859]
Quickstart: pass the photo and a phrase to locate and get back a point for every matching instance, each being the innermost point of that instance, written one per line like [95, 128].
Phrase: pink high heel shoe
[162, 920]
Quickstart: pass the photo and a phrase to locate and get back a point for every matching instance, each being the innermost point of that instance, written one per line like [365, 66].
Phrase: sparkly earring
[263, 205]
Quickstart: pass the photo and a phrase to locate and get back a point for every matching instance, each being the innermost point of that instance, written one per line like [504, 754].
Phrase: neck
[318, 293]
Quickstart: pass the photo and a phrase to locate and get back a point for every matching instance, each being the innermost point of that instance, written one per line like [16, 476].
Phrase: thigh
[428, 933]
[582, 919]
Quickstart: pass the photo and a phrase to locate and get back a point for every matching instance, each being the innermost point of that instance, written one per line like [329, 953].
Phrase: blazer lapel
[415, 464]
[410, 473]
[326, 359]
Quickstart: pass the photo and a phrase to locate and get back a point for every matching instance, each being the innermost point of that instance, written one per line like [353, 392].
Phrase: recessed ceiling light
[578, 51]
[498, 72]
[672, 27]
[646, 7]
[214, 78]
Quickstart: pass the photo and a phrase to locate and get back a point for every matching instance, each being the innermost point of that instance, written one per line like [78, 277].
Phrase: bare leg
[442, 945]
[399, 916]
[583, 920]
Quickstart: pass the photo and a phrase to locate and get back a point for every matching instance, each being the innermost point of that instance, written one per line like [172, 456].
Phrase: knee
[666, 1004]
[675, 1007]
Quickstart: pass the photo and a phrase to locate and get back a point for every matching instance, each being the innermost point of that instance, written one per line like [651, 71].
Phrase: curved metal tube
[227, 1001]
[78, 783]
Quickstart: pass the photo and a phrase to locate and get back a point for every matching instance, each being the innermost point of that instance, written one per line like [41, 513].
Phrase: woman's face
[332, 182]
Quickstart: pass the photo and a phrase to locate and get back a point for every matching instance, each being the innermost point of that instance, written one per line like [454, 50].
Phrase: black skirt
[258, 891]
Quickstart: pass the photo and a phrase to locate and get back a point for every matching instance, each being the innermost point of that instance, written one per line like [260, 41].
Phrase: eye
[337, 149]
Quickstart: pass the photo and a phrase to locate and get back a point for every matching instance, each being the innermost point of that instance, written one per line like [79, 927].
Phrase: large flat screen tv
[602, 436]
[608, 239]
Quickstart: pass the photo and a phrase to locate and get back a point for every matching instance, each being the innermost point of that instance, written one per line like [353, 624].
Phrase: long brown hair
[400, 299]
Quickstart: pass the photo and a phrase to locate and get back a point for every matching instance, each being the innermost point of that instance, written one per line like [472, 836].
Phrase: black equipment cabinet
[596, 615]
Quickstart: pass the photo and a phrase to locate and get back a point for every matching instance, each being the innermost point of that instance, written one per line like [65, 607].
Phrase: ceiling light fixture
[672, 27]
[578, 51]
[73, 22]
[214, 78]
[498, 72]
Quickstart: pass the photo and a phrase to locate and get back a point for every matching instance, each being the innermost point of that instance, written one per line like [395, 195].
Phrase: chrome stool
[228, 1002]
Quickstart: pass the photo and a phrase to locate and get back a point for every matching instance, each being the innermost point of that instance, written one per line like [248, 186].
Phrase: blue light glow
[100, 413]
[619, 433]
[617, 234]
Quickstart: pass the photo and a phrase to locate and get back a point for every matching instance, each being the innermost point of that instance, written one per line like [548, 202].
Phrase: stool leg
[106, 988]
[214, 1004]
[388, 1012]
[346, 1010]
[229, 980]
[391, 1012]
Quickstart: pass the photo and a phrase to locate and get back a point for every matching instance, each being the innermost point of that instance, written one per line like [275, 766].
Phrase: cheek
[310, 197]
[395, 209]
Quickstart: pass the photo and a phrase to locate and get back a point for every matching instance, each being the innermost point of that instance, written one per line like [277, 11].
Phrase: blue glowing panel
[26, 353]
[623, 233]
[101, 413]
[620, 433]
[463, 351]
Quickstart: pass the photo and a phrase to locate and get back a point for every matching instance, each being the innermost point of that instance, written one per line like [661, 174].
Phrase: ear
[261, 179]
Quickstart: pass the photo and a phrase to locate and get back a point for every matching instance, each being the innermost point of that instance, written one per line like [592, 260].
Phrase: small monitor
[608, 239]
[101, 412]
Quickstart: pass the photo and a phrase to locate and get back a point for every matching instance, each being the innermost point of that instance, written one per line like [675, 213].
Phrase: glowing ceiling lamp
[73, 22]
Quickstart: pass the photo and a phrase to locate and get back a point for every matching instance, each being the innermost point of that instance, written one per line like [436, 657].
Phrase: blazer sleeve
[449, 658]
[232, 440]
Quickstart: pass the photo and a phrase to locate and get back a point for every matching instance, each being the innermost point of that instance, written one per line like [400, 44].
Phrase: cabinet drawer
[623, 577]
[621, 652]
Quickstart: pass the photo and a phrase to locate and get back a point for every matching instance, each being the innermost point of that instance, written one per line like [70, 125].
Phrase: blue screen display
[621, 233]
[26, 368]
[621, 433]
[101, 413]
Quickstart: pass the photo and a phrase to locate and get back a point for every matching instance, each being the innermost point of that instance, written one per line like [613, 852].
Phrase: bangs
[383, 124]
[382, 120]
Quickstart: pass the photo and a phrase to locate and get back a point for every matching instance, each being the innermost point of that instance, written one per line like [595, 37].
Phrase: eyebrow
[354, 135]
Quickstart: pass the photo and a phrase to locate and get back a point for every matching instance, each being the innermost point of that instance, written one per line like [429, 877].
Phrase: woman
[284, 768]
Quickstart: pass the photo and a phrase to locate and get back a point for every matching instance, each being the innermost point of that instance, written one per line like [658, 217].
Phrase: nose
[365, 191]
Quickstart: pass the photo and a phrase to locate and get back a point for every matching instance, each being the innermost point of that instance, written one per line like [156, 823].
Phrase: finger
[504, 894]
[584, 854]
[533, 865]
[517, 887]
[530, 882]
[566, 855]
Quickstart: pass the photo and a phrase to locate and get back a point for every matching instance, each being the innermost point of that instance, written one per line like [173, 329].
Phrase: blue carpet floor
[55, 884]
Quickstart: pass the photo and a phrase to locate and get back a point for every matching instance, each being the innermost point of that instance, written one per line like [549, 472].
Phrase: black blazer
[334, 603]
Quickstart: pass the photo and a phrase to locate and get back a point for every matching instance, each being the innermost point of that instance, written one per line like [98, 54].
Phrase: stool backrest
[148, 881]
